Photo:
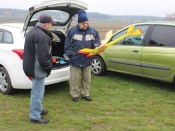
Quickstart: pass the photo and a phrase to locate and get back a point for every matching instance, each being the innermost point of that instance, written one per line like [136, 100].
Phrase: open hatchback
[62, 11]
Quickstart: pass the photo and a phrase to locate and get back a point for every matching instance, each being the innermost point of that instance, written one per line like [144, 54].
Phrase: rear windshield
[57, 15]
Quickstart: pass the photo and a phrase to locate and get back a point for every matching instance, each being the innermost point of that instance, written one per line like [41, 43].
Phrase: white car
[12, 38]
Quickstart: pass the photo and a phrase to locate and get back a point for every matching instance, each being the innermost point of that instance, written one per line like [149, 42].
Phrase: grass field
[120, 103]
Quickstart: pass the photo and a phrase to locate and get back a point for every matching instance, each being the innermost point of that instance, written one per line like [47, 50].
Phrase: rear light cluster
[30, 78]
[19, 52]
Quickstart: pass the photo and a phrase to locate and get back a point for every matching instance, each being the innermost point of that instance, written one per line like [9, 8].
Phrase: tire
[5, 82]
[98, 66]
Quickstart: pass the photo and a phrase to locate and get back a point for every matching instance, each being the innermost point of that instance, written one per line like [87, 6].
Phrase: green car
[150, 55]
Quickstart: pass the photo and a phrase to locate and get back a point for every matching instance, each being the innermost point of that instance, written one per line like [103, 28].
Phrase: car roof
[157, 22]
[10, 26]
[170, 23]
[13, 27]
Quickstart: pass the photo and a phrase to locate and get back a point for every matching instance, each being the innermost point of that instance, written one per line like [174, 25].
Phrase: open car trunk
[58, 60]
[62, 11]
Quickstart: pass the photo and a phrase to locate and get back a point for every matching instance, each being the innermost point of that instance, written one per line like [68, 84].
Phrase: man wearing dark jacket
[37, 64]
[79, 37]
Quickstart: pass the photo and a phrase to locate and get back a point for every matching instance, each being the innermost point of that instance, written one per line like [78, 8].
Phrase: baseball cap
[46, 19]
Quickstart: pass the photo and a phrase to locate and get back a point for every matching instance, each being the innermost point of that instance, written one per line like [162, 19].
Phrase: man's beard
[84, 28]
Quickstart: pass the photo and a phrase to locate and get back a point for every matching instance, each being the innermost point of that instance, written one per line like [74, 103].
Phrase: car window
[1, 36]
[57, 15]
[118, 35]
[132, 40]
[8, 37]
[163, 36]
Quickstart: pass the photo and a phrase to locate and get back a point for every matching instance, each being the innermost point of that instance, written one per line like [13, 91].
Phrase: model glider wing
[97, 50]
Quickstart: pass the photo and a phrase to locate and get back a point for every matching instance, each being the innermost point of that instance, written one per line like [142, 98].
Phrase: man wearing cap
[79, 37]
[37, 64]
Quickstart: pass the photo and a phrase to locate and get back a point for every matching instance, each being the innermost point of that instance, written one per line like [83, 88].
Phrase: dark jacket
[77, 39]
[37, 59]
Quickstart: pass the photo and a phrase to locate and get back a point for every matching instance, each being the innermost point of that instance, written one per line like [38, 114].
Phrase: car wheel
[5, 83]
[98, 66]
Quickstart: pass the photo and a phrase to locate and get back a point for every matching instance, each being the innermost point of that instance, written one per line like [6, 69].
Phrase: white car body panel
[13, 63]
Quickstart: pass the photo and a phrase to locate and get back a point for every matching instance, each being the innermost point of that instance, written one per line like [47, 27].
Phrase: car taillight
[30, 78]
[19, 52]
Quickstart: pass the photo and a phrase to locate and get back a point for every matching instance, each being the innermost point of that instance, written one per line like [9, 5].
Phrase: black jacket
[37, 36]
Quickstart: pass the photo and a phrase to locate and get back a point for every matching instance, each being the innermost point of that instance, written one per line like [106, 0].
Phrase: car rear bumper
[58, 75]
[20, 81]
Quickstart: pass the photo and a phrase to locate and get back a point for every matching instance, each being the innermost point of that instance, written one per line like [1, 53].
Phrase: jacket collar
[38, 25]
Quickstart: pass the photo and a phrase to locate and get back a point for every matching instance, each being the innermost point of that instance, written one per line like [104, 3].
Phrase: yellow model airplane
[103, 46]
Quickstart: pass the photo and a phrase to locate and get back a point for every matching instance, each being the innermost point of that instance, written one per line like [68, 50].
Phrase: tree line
[19, 14]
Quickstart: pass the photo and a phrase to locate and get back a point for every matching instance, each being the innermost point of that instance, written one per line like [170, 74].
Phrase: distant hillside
[18, 15]
[12, 15]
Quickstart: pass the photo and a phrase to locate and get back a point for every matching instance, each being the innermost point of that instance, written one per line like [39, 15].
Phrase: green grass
[120, 103]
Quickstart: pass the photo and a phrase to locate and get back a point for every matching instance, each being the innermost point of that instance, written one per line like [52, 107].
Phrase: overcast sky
[112, 7]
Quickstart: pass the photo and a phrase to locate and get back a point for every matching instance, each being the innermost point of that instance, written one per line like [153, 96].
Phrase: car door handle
[135, 51]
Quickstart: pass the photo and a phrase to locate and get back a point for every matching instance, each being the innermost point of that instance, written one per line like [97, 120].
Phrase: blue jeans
[37, 95]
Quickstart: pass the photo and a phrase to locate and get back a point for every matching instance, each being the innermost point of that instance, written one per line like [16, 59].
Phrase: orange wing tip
[140, 30]
[88, 56]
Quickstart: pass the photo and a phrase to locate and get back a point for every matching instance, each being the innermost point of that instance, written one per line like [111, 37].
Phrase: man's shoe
[75, 99]
[87, 98]
[40, 121]
[44, 112]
